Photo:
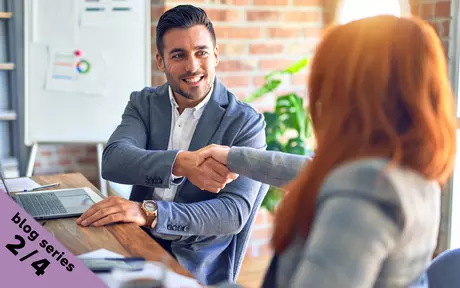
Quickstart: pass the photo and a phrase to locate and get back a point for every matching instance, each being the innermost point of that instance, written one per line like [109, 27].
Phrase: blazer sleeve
[230, 210]
[270, 167]
[126, 150]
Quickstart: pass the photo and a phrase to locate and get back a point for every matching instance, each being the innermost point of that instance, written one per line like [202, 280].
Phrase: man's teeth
[193, 80]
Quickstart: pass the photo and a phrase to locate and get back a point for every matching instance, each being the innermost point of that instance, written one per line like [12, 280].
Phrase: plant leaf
[266, 88]
[297, 66]
[291, 115]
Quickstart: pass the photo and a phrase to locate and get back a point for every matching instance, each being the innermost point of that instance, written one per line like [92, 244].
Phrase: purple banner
[31, 257]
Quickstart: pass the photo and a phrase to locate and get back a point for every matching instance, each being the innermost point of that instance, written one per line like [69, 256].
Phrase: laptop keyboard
[42, 204]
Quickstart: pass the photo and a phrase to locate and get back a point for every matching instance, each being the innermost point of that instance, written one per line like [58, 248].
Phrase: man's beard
[175, 87]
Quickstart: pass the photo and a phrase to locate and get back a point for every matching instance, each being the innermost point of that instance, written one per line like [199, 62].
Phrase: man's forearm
[125, 163]
[224, 215]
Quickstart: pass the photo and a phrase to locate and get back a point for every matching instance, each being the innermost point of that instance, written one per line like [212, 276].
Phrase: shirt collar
[198, 109]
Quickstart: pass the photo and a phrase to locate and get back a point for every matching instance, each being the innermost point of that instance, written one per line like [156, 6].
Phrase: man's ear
[216, 54]
[160, 62]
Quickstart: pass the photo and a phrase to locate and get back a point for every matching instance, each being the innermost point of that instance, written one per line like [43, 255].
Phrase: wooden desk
[125, 239]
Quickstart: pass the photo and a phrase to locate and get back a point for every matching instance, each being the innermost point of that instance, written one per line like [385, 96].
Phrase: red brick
[231, 49]
[45, 153]
[299, 16]
[299, 80]
[266, 48]
[235, 2]
[158, 80]
[235, 81]
[261, 234]
[284, 33]
[223, 15]
[237, 32]
[234, 66]
[71, 150]
[87, 161]
[263, 15]
[312, 32]
[301, 48]
[156, 12]
[274, 64]
[261, 217]
[271, 2]
[415, 9]
[442, 9]
[65, 162]
[308, 2]
[91, 149]
[258, 81]
[427, 10]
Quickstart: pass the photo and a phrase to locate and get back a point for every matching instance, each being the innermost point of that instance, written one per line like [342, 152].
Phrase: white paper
[69, 72]
[114, 280]
[100, 253]
[19, 184]
[108, 13]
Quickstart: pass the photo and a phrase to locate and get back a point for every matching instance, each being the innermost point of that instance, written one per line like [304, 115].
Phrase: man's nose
[192, 65]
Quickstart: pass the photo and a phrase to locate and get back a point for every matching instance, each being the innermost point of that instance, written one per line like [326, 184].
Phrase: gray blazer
[374, 226]
[204, 226]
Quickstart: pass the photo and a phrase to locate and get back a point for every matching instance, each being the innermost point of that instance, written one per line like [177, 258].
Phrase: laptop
[52, 204]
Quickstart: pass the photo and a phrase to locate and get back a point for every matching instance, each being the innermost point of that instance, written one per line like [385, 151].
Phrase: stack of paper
[19, 184]
[115, 280]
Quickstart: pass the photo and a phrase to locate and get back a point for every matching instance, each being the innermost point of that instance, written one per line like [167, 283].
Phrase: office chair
[443, 271]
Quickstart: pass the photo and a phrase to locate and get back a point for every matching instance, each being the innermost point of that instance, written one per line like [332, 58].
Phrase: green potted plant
[289, 127]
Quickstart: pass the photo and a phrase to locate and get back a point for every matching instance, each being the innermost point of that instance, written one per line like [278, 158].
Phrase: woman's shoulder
[375, 179]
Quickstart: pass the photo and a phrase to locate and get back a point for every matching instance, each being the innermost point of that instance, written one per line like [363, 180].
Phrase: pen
[133, 259]
[42, 187]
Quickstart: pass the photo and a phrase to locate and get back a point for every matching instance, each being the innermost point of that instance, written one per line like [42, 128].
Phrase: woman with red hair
[365, 211]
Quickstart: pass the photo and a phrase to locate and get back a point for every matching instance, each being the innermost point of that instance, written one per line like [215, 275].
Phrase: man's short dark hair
[182, 16]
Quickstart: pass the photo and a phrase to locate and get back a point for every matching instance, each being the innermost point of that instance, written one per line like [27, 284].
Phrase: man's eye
[202, 53]
[177, 56]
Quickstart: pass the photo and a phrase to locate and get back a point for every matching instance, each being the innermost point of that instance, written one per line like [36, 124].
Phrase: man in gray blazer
[155, 149]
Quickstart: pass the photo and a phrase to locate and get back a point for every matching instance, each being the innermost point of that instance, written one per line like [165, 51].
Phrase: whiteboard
[83, 58]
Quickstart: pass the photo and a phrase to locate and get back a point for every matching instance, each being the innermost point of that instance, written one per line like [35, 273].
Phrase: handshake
[205, 168]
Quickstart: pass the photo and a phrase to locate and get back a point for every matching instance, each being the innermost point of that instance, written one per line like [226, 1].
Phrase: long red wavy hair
[377, 87]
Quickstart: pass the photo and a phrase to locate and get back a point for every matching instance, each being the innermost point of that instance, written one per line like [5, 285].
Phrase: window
[350, 10]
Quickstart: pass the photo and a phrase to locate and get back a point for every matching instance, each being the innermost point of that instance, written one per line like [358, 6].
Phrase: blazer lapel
[161, 118]
[211, 117]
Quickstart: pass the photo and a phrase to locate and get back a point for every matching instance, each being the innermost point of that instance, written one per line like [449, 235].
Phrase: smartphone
[104, 265]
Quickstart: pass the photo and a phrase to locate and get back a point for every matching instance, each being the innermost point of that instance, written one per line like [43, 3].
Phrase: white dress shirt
[182, 130]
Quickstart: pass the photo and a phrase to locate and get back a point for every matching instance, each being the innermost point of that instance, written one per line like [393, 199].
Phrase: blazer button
[169, 227]
[185, 229]
[174, 228]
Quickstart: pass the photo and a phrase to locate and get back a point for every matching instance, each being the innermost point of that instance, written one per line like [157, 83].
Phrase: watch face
[150, 206]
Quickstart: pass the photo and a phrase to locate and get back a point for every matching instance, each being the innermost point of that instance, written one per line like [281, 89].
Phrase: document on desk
[19, 184]
[173, 280]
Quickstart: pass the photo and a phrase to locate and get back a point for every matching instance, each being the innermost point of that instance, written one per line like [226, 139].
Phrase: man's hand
[209, 174]
[217, 152]
[113, 209]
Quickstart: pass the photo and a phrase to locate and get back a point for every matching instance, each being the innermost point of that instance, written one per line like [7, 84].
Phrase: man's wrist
[179, 169]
